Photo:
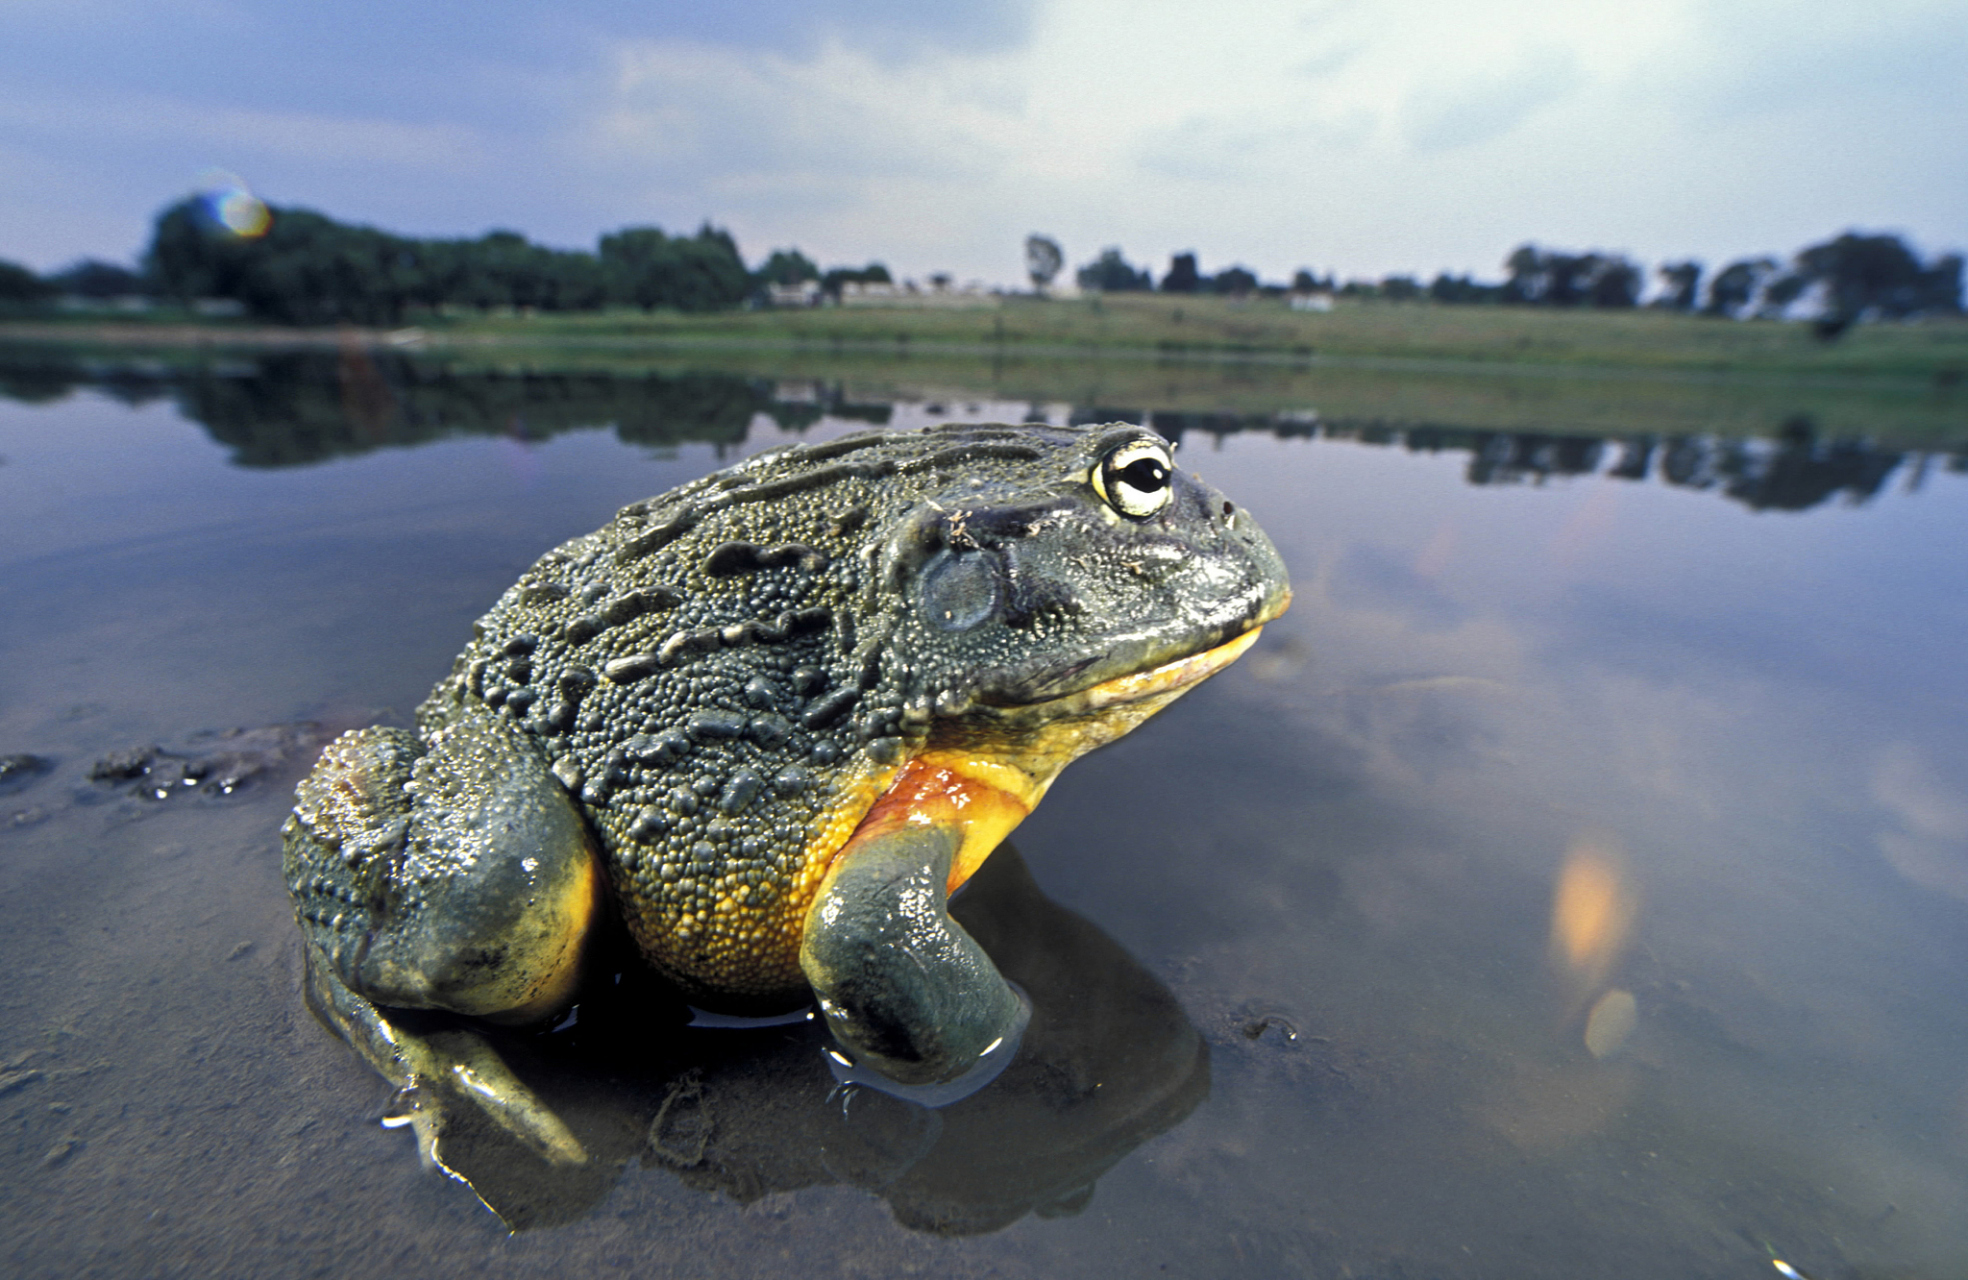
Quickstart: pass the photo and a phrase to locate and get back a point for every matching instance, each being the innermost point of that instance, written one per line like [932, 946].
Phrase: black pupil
[1145, 474]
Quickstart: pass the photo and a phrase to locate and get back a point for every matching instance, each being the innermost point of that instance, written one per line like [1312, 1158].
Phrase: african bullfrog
[772, 719]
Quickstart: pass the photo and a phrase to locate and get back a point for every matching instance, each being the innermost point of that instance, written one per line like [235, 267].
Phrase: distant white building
[855, 294]
[803, 293]
[911, 294]
[1315, 300]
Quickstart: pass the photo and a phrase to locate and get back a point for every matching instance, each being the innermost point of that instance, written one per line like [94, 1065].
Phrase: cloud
[1747, 57]
[1488, 104]
[1268, 134]
[837, 149]
[715, 114]
[1202, 149]
[1366, 136]
[269, 133]
[1930, 846]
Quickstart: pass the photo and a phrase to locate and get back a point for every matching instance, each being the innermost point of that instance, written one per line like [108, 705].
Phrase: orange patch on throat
[933, 791]
[983, 773]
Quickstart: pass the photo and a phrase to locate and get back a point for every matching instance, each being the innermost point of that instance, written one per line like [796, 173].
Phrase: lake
[1573, 884]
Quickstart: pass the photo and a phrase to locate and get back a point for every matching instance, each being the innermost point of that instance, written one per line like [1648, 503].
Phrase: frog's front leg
[901, 984]
[449, 873]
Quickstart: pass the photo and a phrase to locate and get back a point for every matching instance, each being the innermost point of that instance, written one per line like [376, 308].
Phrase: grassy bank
[1263, 328]
[1176, 327]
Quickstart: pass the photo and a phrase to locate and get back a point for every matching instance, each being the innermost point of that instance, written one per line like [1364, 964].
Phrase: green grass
[1164, 326]
[1264, 328]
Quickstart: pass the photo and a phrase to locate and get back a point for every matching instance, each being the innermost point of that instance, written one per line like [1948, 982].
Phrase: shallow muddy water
[1573, 884]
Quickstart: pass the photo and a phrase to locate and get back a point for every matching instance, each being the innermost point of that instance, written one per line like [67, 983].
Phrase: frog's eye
[1134, 479]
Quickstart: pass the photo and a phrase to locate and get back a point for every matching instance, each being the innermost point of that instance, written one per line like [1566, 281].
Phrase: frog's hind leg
[902, 985]
[420, 1064]
[449, 872]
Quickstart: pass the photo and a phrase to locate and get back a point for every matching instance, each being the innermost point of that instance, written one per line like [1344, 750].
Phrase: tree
[1182, 276]
[1613, 281]
[1462, 289]
[90, 278]
[1526, 282]
[20, 286]
[638, 264]
[1780, 292]
[1737, 285]
[1553, 279]
[1234, 280]
[304, 268]
[189, 257]
[786, 267]
[1683, 285]
[1043, 259]
[1400, 289]
[1941, 285]
[1879, 275]
[1112, 273]
[643, 266]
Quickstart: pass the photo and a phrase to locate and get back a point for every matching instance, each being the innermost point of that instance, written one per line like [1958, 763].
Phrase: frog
[767, 723]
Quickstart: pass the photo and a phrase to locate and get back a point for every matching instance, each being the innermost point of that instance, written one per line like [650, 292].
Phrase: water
[1574, 883]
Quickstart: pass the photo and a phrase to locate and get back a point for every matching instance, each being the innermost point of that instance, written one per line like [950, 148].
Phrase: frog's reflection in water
[1109, 1061]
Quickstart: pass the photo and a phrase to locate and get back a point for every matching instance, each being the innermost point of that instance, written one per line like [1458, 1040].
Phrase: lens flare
[1592, 910]
[241, 212]
[232, 204]
[1609, 1024]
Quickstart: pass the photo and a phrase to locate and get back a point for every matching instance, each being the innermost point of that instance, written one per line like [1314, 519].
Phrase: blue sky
[1365, 136]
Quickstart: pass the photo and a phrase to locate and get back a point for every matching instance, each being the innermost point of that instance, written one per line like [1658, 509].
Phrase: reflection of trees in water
[1793, 472]
[1514, 459]
[298, 408]
[293, 408]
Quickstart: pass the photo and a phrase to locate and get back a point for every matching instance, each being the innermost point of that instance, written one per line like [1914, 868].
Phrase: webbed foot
[454, 1060]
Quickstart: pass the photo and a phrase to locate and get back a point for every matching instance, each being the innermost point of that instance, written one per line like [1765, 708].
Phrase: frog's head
[1098, 581]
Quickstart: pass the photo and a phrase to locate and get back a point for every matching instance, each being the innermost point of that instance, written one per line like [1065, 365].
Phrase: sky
[1364, 137]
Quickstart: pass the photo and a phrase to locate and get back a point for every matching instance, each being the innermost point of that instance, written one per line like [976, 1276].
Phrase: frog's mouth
[1170, 678]
[1037, 739]
[982, 771]
[1133, 668]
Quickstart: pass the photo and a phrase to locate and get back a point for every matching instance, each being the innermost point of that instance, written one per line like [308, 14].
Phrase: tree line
[307, 268]
[296, 266]
[1849, 277]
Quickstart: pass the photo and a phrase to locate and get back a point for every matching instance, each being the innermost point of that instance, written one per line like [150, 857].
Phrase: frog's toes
[473, 1068]
[425, 1068]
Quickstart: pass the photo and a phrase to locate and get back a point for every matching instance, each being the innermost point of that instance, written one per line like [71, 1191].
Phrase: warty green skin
[706, 684]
